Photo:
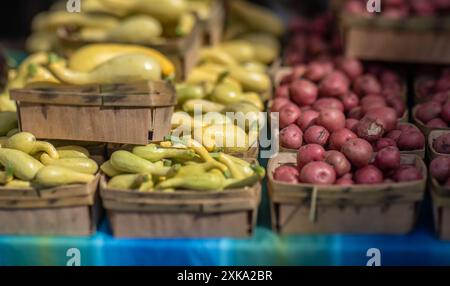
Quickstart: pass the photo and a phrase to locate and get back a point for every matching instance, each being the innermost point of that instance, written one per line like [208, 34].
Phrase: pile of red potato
[400, 9]
[343, 119]
[312, 39]
[435, 112]
[442, 144]
[330, 102]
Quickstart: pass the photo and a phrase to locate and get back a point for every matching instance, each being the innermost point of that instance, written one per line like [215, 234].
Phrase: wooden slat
[136, 94]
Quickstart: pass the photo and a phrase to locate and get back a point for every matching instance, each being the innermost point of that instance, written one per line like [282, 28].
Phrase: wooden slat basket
[422, 126]
[380, 209]
[441, 209]
[229, 213]
[416, 40]
[72, 210]
[132, 113]
[432, 153]
[213, 26]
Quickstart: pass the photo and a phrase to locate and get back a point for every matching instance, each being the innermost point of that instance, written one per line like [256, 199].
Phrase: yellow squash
[27, 143]
[125, 68]
[88, 57]
[81, 165]
[127, 162]
[23, 165]
[53, 176]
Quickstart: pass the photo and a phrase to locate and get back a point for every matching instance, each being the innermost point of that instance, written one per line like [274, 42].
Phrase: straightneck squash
[90, 56]
[135, 29]
[127, 162]
[125, 68]
[153, 154]
[8, 121]
[23, 165]
[128, 181]
[53, 176]
[166, 11]
[81, 165]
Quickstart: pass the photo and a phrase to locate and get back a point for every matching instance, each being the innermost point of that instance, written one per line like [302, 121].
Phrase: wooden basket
[431, 151]
[72, 210]
[182, 52]
[425, 129]
[182, 213]
[441, 209]
[120, 113]
[417, 40]
[213, 26]
[380, 209]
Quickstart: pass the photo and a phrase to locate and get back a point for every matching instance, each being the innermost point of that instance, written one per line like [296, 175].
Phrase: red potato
[374, 100]
[339, 162]
[303, 92]
[279, 103]
[309, 153]
[358, 151]
[349, 101]
[394, 135]
[350, 66]
[443, 84]
[344, 182]
[427, 111]
[369, 175]
[442, 144]
[331, 119]
[423, 8]
[366, 84]
[386, 116]
[441, 97]
[355, 113]
[317, 135]
[339, 137]
[317, 70]
[437, 123]
[351, 124]
[406, 127]
[297, 73]
[328, 103]
[370, 129]
[286, 174]
[334, 85]
[383, 143]
[411, 140]
[282, 91]
[291, 137]
[407, 173]
[398, 105]
[388, 158]
[445, 112]
[318, 173]
[289, 114]
[307, 118]
[440, 168]
[389, 77]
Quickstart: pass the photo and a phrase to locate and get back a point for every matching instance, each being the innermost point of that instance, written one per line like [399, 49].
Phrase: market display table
[265, 248]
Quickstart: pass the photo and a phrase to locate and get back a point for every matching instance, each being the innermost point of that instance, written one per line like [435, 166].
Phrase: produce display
[354, 164]
[184, 167]
[137, 21]
[329, 102]
[441, 144]
[28, 162]
[440, 170]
